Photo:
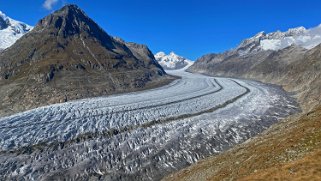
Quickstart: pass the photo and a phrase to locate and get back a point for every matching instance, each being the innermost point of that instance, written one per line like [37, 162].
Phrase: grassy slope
[289, 150]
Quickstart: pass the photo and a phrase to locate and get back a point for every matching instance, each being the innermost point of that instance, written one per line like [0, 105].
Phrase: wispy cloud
[48, 4]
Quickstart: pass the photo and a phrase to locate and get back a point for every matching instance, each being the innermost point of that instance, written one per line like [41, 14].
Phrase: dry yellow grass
[306, 168]
[290, 150]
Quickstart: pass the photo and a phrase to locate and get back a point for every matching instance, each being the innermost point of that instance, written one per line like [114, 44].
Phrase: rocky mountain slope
[11, 30]
[295, 68]
[68, 56]
[172, 61]
[290, 149]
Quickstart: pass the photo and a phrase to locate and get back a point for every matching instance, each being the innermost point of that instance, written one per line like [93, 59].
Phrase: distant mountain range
[291, 59]
[172, 61]
[306, 38]
[11, 30]
[68, 56]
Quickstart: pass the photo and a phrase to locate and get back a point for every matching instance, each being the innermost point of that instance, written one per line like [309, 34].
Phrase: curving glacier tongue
[138, 136]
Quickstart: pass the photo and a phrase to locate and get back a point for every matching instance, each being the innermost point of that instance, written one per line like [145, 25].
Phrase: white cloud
[48, 4]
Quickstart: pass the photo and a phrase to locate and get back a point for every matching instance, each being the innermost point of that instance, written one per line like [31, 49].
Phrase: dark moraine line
[112, 132]
[126, 110]
[184, 116]
[168, 103]
[173, 102]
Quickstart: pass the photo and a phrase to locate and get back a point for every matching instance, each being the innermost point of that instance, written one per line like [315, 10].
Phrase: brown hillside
[68, 56]
[289, 150]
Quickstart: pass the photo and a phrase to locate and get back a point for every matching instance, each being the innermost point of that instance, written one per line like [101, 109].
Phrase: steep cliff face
[142, 52]
[305, 75]
[68, 56]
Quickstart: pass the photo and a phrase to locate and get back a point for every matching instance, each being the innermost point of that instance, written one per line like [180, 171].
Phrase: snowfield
[306, 38]
[11, 30]
[138, 136]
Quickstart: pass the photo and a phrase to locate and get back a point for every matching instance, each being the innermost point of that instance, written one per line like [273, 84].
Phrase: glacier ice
[138, 136]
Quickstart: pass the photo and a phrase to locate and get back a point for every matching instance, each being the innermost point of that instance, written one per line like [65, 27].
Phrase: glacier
[141, 135]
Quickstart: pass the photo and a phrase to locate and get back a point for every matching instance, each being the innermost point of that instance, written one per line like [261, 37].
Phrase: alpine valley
[80, 104]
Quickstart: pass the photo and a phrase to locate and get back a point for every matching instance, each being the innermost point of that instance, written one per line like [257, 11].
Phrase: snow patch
[12, 30]
[306, 38]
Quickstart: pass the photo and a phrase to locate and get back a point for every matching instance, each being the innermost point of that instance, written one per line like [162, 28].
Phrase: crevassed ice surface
[138, 136]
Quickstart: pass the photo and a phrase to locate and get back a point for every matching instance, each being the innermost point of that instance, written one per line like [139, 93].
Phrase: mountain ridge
[172, 61]
[68, 56]
[294, 67]
[306, 38]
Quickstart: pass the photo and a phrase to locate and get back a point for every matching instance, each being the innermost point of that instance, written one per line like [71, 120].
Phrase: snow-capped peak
[300, 36]
[159, 55]
[172, 60]
[2, 14]
[259, 35]
[297, 31]
[11, 30]
[306, 38]
[172, 53]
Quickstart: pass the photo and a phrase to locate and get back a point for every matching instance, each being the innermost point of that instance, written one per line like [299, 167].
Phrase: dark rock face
[143, 53]
[3, 24]
[68, 55]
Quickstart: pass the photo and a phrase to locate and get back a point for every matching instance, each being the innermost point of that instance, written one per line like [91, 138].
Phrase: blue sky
[191, 28]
